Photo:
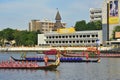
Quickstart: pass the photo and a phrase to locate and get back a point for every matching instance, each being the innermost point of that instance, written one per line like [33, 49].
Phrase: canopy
[50, 52]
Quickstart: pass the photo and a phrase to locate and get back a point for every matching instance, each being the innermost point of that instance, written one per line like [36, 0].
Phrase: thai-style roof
[58, 17]
[58, 23]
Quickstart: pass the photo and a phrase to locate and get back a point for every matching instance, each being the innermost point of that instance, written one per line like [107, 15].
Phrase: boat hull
[62, 59]
[49, 67]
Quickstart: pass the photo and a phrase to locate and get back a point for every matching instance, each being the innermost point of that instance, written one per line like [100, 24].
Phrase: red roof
[50, 52]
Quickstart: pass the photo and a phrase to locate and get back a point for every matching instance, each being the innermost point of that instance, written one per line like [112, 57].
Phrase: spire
[58, 23]
[58, 17]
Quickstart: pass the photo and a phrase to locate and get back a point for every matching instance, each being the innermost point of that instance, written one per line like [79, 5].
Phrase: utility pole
[107, 21]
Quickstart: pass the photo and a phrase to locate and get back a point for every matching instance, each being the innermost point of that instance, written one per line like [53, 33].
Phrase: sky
[16, 14]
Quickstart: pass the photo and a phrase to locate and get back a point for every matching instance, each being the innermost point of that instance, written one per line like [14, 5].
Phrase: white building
[95, 14]
[81, 38]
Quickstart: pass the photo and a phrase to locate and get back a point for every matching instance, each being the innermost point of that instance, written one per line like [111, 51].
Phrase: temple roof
[58, 23]
[58, 17]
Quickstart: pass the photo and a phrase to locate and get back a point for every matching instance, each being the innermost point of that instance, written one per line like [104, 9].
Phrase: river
[107, 69]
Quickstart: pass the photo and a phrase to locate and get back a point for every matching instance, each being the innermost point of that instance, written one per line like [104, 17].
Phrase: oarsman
[46, 60]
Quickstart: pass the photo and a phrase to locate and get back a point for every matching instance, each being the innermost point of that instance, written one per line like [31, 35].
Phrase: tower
[58, 23]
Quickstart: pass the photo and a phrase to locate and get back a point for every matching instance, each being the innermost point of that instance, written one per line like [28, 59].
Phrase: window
[52, 36]
[77, 41]
[66, 36]
[73, 36]
[88, 41]
[73, 41]
[88, 35]
[93, 41]
[93, 35]
[81, 41]
[84, 35]
[76, 36]
[80, 36]
[59, 36]
[69, 36]
[96, 35]
[63, 36]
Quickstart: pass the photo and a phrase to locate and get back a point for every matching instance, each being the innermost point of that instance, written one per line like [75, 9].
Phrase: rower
[87, 56]
[46, 60]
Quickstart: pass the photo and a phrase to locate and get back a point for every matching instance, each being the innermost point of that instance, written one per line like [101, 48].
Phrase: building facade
[110, 18]
[43, 26]
[79, 38]
[46, 26]
[95, 14]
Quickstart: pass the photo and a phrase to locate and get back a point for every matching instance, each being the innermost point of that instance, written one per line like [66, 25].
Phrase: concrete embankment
[35, 49]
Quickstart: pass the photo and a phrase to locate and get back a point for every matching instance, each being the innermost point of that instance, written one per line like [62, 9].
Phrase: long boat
[11, 65]
[62, 59]
[32, 59]
[102, 55]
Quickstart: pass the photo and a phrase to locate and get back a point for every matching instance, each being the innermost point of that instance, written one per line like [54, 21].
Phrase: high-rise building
[34, 25]
[95, 14]
[110, 17]
[42, 26]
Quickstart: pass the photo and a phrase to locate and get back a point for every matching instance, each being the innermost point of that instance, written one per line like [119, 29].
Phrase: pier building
[70, 38]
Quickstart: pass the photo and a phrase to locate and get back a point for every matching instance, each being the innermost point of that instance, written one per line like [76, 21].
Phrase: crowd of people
[18, 64]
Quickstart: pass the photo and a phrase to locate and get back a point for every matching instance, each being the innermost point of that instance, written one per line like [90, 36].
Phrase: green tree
[91, 26]
[98, 25]
[17, 37]
[80, 25]
[8, 34]
[1, 38]
[22, 38]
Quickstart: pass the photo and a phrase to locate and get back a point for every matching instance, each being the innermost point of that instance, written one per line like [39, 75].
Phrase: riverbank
[37, 49]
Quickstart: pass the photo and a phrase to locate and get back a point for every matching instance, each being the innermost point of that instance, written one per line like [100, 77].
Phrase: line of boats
[33, 62]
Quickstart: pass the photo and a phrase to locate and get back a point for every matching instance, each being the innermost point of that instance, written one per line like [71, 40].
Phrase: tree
[8, 34]
[21, 38]
[80, 25]
[91, 26]
[1, 38]
[98, 25]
